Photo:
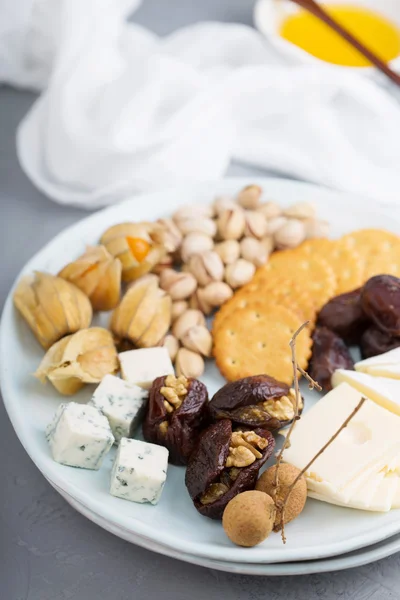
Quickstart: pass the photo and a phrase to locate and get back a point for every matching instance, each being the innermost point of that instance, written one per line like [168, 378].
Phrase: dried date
[257, 401]
[344, 316]
[173, 423]
[374, 342]
[380, 301]
[210, 483]
[329, 353]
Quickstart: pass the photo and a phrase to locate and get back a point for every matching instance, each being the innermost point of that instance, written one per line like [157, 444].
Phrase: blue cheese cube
[143, 366]
[139, 471]
[122, 403]
[79, 436]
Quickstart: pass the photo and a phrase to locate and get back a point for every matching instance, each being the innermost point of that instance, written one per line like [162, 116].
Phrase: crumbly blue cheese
[139, 471]
[121, 402]
[79, 436]
[143, 366]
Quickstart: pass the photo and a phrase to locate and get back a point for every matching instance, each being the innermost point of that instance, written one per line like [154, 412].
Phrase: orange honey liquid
[375, 31]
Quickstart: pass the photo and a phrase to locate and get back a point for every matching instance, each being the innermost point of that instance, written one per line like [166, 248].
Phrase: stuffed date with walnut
[225, 463]
[176, 413]
[257, 401]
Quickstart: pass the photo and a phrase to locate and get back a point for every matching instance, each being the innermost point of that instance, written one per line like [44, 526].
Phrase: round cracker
[312, 273]
[255, 340]
[345, 261]
[379, 251]
[282, 292]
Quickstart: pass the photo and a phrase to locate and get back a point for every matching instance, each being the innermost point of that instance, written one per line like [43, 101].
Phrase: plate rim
[141, 529]
[353, 560]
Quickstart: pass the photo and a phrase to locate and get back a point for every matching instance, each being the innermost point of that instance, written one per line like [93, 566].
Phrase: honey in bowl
[315, 37]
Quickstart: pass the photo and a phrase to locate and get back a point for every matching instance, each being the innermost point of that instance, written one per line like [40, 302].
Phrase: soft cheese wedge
[361, 468]
[384, 365]
[382, 390]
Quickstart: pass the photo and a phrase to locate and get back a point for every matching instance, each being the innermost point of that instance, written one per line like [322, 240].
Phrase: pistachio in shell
[52, 307]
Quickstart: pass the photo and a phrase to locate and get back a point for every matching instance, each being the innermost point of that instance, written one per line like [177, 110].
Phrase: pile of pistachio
[160, 280]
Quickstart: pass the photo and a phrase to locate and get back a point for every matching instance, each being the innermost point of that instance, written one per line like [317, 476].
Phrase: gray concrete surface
[47, 550]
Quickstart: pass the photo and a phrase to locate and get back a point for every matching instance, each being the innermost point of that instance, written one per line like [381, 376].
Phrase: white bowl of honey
[303, 39]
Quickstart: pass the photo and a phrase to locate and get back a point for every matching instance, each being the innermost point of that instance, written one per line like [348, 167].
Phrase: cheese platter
[192, 357]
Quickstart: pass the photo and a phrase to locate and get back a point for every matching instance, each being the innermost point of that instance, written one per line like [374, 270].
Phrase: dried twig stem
[292, 345]
[308, 465]
[312, 384]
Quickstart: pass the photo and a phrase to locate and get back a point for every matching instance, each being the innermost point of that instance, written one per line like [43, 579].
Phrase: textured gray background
[47, 550]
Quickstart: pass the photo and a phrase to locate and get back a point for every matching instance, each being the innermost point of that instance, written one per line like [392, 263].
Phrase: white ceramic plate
[306, 567]
[322, 530]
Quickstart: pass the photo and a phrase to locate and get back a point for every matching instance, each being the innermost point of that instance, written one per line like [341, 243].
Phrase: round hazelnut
[256, 224]
[231, 223]
[298, 496]
[188, 319]
[222, 203]
[198, 339]
[178, 308]
[239, 273]
[189, 364]
[316, 228]
[290, 235]
[249, 196]
[254, 251]
[172, 345]
[229, 251]
[178, 285]
[195, 243]
[198, 225]
[270, 210]
[216, 293]
[301, 210]
[248, 518]
[206, 267]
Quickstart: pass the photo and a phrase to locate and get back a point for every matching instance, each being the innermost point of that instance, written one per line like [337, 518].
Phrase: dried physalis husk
[83, 357]
[144, 314]
[52, 307]
[132, 244]
[98, 275]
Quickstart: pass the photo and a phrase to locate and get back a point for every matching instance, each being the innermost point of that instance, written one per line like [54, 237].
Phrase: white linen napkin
[125, 111]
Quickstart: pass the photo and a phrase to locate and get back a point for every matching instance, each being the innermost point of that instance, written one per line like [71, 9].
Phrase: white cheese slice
[139, 471]
[79, 436]
[121, 402]
[382, 390]
[384, 365]
[143, 366]
[371, 436]
[383, 499]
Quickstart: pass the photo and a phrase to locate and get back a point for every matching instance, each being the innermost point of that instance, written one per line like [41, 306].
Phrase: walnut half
[283, 409]
[174, 391]
[243, 450]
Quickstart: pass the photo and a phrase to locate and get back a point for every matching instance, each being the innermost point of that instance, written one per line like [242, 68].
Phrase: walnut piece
[215, 491]
[283, 408]
[174, 392]
[243, 450]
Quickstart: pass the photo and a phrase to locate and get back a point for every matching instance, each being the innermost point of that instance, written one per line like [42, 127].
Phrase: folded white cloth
[125, 111]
